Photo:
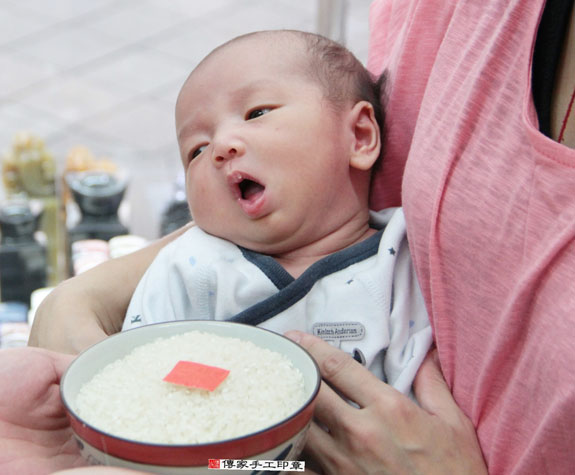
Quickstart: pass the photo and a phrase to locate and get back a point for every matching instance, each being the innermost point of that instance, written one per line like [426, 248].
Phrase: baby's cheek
[197, 196]
[204, 207]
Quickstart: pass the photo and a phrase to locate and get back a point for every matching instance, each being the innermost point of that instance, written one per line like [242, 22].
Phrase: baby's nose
[227, 147]
[225, 153]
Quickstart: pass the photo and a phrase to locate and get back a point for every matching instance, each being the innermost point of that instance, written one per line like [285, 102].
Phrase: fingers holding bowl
[342, 373]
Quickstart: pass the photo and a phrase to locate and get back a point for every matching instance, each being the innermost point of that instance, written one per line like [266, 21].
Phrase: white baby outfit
[364, 299]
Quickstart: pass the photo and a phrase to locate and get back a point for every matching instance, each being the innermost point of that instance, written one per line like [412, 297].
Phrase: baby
[278, 133]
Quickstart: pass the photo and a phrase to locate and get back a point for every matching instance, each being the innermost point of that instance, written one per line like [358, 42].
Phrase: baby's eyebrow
[239, 95]
[191, 125]
[254, 86]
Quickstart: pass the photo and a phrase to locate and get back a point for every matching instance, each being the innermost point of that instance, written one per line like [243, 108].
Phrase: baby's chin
[270, 243]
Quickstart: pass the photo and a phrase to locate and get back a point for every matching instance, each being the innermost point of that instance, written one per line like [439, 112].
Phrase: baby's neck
[298, 261]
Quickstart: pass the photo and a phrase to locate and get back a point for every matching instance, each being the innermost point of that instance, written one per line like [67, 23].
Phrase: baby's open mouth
[249, 189]
[249, 193]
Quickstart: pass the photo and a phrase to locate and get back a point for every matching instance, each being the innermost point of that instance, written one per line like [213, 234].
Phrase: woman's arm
[87, 308]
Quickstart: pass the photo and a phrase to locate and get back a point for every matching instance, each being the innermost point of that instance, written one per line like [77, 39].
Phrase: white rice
[128, 398]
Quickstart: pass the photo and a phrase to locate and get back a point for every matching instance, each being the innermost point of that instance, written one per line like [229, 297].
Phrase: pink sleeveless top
[490, 209]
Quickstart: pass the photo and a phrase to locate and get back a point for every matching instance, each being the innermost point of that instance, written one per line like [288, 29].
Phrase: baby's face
[266, 157]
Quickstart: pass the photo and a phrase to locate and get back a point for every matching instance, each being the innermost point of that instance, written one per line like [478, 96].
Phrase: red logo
[213, 463]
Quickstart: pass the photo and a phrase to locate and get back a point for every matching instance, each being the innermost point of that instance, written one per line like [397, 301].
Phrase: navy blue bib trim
[292, 290]
[274, 271]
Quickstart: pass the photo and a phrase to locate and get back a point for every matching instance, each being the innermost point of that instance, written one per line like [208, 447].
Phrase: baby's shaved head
[339, 73]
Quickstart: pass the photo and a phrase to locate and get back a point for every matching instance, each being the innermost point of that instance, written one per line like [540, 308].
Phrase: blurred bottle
[79, 159]
[98, 195]
[29, 172]
[22, 256]
[14, 329]
[177, 213]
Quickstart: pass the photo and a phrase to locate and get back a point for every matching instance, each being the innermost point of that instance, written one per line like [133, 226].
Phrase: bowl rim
[292, 423]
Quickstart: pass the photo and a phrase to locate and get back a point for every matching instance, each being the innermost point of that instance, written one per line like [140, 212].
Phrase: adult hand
[388, 433]
[35, 437]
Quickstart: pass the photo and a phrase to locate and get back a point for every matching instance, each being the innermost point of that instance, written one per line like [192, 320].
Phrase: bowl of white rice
[183, 396]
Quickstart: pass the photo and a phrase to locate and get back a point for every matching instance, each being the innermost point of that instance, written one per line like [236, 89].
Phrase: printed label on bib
[339, 331]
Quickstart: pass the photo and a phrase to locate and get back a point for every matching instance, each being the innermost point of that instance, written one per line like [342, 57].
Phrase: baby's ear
[366, 136]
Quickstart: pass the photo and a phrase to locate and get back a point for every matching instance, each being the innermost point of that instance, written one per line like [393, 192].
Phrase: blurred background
[90, 85]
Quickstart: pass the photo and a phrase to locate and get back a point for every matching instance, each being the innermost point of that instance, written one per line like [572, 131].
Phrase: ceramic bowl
[282, 441]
